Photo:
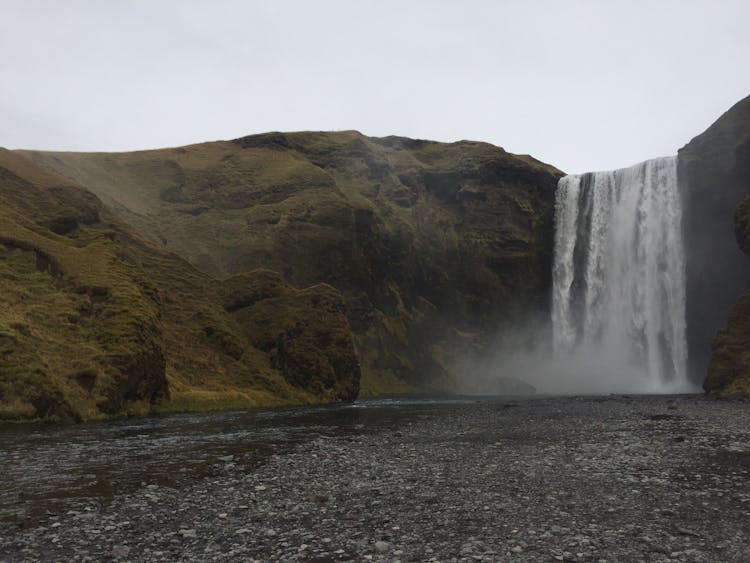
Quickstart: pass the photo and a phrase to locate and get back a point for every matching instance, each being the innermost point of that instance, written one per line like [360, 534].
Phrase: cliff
[435, 247]
[95, 321]
[166, 279]
[729, 369]
[714, 170]
[715, 176]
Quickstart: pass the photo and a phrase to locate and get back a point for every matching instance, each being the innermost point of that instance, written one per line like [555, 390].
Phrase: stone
[382, 546]
[120, 551]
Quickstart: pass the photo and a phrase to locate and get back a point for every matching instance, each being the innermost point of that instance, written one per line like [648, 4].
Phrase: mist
[618, 304]
[523, 361]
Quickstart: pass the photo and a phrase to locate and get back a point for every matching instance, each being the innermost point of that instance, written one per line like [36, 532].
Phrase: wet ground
[548, 479]
[47, 468]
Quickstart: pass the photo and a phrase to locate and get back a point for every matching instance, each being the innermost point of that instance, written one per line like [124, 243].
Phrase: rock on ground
[573, 479]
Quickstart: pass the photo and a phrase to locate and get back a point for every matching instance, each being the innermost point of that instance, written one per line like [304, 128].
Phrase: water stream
[55, 468]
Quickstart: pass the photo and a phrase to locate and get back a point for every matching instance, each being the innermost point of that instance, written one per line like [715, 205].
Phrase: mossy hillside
[80, 328]
[305, 332]
[434, 245]
[97, 322]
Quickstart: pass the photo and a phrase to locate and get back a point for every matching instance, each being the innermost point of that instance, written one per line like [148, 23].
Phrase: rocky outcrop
[305, 333]
[436, 247]
[96, 322]
[742, 225]
[729, 368]
[714, 170]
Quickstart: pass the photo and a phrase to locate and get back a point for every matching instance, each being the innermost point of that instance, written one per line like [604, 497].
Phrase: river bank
[566, 479]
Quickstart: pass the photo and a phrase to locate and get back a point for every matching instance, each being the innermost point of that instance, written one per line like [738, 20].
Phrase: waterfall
[619, 277]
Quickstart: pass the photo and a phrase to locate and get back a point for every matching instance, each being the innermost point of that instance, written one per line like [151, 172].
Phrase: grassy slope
[433, 245]
[95, 321]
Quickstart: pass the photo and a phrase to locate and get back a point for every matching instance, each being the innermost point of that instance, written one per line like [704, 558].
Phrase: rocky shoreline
[550, 479]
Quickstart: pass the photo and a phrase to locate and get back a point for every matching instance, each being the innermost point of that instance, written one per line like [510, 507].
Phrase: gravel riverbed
[550, 479]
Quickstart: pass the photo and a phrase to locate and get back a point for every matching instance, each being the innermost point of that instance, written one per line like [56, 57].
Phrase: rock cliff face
[715, 176]
[95, 321]
[729, 368]
[166, 279]
[434, 246]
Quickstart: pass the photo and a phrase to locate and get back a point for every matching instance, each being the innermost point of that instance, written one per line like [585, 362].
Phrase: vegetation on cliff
[434, 246]
[729, 370]
[715, 171]
[95, 321]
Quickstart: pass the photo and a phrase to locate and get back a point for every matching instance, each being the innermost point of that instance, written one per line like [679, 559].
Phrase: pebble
[382, 546]
[562, 479]
[120, 551]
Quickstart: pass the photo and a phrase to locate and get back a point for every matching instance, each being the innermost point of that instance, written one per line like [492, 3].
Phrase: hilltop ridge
[435, 246]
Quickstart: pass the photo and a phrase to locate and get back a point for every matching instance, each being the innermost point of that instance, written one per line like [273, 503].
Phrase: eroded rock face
[714, 170]
[305, 332]
[96, 322]
[435, 246]
[729, 369]
[742, 225]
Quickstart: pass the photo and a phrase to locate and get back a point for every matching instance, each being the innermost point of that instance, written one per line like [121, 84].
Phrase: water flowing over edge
[618, 312]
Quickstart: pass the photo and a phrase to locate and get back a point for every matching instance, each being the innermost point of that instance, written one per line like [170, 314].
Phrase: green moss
[205, 401]
[96, 322]
[729, 369]
[422, 238]
[742, 225]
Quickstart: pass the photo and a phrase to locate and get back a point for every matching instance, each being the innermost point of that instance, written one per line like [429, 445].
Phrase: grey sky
[582, 85]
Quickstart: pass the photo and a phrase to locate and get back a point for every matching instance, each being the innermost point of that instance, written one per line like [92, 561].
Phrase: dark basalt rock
[714, 172]
[729, 369]
[742, 225]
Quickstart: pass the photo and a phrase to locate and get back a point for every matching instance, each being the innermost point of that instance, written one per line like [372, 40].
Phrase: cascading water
[619, 277]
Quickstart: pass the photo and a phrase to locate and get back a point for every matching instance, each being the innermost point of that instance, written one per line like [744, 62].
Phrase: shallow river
[49, 468]
[606, 478]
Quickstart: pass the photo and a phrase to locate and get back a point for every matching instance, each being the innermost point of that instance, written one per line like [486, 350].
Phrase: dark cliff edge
[95, 321]
[729, 368]
[436, 247]
[714, 171]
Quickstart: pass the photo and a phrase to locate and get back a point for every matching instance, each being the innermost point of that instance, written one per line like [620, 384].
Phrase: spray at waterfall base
[619, 290]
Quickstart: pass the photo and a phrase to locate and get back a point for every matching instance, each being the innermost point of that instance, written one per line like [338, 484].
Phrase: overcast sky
[583, 85]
